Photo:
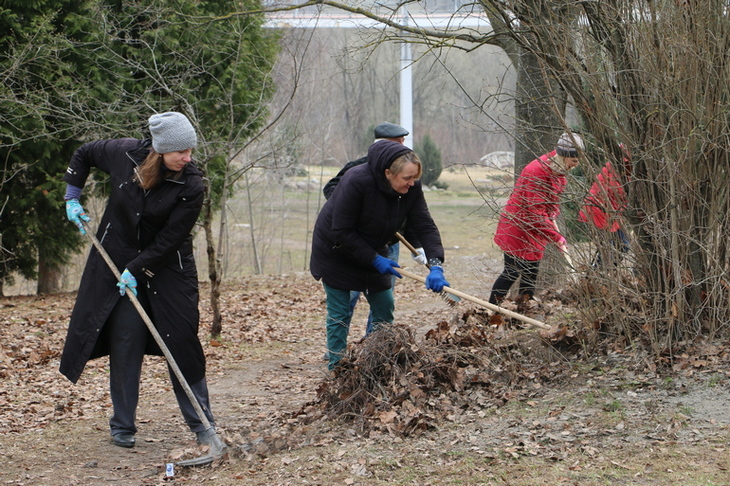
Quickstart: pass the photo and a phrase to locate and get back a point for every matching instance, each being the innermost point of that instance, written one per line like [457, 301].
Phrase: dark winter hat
[382, 154]
[172, 132]
[569, 144]
[390, 130]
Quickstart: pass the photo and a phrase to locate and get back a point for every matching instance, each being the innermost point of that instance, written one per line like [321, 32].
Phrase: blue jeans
[339, 316]
[393, 254]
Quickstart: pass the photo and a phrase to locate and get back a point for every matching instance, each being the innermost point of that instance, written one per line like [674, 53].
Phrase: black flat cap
[390, 130]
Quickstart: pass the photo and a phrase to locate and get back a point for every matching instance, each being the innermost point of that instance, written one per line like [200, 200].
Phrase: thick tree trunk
[49, 276]
[539, 111]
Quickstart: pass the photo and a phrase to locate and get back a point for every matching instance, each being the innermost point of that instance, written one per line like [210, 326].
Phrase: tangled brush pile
[391, 383]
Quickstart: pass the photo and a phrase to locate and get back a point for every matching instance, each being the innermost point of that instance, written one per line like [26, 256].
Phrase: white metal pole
[406, 87]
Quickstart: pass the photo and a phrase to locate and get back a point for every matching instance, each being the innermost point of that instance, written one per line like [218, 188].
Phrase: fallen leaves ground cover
[468, 403]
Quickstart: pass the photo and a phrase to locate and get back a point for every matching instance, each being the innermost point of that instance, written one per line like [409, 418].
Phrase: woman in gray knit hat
[156, 195]
[528, 221]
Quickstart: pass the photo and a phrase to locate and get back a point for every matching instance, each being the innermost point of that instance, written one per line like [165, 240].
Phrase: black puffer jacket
[361, 217]
[149, 233]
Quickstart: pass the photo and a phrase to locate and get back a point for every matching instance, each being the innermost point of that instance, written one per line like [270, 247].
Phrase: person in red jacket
[603, 207]
[528, 222]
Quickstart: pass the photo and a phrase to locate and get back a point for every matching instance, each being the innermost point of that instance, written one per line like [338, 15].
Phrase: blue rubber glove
[127, 281]
[435, 280]
[385, 266]
[76, 214]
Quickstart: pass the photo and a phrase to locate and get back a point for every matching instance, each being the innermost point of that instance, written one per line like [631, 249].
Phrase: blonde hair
[152, 171]
[409, 157]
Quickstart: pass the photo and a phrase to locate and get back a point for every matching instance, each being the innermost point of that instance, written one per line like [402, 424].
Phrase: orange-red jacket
[605, 201]
[526, 224]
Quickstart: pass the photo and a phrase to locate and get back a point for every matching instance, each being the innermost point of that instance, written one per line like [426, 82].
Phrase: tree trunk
[252, 226]
[539, 110]
[214, 273]
[49, 276]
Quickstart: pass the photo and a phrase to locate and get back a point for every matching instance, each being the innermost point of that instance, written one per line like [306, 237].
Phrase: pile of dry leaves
[393, 384]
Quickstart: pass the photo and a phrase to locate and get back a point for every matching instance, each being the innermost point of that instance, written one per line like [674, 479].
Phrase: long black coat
[361, 217]
[149, 233]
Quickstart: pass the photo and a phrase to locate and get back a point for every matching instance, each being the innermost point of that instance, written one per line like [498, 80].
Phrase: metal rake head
[450, 299]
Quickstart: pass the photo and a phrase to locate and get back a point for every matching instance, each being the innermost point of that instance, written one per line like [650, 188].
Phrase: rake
[217, 446]
[483, 303]
[572, 275]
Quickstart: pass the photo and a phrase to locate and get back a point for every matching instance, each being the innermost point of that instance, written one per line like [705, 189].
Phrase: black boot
[125, 439]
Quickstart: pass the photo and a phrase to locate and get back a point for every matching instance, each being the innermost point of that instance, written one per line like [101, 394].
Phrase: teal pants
[339, 316]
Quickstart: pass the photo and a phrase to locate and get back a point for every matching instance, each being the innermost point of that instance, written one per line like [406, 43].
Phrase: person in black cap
[156, 194]
[384, 131]
[394, 133]
[349, 245]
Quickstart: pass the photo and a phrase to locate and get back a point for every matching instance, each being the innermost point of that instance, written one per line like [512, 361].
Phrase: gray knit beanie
[569, 144]
[172, 132]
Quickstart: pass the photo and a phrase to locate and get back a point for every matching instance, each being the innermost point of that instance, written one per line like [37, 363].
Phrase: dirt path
[264, 373]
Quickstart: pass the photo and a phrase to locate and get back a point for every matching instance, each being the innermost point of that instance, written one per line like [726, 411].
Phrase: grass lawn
[283, 215]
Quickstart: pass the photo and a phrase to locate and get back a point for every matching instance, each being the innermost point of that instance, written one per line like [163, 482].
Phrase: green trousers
[339, 316]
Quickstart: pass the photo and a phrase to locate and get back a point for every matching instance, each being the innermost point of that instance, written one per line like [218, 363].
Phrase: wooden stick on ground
[483, 303]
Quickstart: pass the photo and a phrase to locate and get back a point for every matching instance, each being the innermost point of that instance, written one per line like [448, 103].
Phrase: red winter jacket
[605, 201]
[526, 224]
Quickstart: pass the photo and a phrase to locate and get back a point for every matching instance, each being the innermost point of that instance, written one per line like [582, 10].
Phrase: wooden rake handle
[483, 303]
[405, 242]
[153, 330]
[450, 299]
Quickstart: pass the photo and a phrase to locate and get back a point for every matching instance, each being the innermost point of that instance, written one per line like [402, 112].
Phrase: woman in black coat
[349, 246]
[155, 199]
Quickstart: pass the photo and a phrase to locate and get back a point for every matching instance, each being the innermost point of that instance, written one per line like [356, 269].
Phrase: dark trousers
[393, 254]
[515, 268]
[619, 245]
[128, 338]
